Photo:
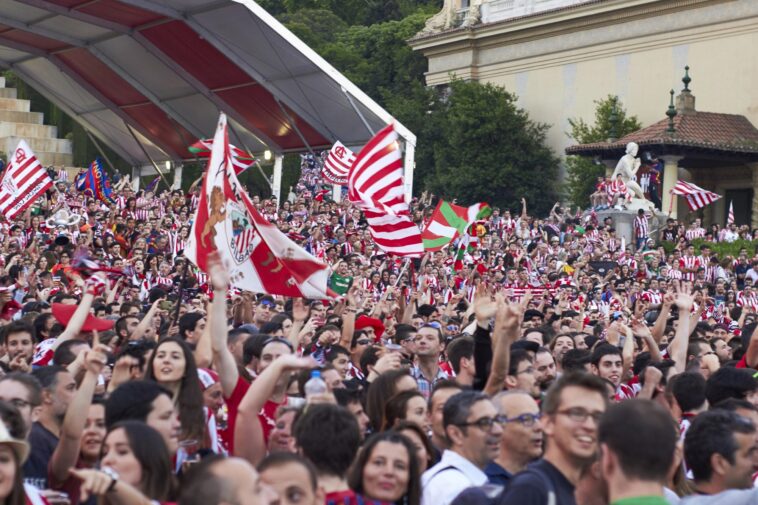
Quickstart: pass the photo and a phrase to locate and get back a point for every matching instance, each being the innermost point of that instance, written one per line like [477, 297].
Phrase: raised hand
[300, 311]
[485, 305]
[217, 274]
[97, 357]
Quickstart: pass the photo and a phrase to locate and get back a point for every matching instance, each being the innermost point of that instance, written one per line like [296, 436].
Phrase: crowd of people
[540, 361]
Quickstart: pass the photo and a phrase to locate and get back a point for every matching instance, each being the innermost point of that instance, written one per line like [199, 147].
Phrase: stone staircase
[17, 122]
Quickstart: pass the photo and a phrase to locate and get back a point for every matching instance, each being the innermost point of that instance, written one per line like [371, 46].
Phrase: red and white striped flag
[24, 180]
[241, 160]
[696, 197]
[337, 164]
[375, 185]
[730, 217]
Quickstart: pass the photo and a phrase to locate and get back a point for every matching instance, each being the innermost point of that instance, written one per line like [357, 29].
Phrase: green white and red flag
[451, 221]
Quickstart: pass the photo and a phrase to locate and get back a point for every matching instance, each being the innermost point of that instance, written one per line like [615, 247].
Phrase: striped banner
[337, 164]
[241, 160]
[24, 180]
[375, 186]
[730, 217]
[696, 197]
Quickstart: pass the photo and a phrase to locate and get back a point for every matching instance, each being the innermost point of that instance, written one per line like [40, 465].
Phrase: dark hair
[277, 459]
[64, 354]
[583, 380]
[411, 426]
[188, 322]
[329, 436]
[461, 347]
[121, 325]
[137, 349]
[15, 327]
[334, 352]
[132, 400]
[253, 347]
[379, 392]
[517, 357]
[345, 396]
[397, 406]
[190, 397]
[150, 450]
[234, 335]
[39, 325]
[733, 405]
[458, 407]
[649, 453]
[728, 382]
[30, 382]
[13, 421]
[688, 390]
[48, 376]
[576, 359]
[711, 433]
[412, 495]
[603, 350]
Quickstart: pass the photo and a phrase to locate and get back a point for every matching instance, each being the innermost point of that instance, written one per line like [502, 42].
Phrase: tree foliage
[583, 172]
[476, 145]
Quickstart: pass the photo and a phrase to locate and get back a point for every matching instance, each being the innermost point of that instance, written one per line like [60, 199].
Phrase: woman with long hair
[406, 406]
[384, 387]
[172, 365]
[386, 470]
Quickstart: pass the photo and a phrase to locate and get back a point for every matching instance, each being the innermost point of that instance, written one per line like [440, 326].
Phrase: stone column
[276, 184]
[670, 176]
[178, 169]
[754, 206]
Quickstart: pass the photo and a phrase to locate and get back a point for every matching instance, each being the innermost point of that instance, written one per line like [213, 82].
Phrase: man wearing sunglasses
[571, 412]
[522, 436]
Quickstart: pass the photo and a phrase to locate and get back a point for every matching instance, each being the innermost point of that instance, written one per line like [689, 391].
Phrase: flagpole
[182, 284]
[100, 150]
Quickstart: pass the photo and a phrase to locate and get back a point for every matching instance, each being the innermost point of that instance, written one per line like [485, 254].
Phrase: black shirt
[42, 444]
[531, 487]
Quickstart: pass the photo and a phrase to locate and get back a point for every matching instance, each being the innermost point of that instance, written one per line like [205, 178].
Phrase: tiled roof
[709, 131]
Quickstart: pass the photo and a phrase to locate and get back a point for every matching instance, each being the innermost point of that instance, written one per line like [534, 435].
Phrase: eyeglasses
[433, 324]
[525, 370]
[19, 403]
[580, 415]
[485, 423]
[526, 420]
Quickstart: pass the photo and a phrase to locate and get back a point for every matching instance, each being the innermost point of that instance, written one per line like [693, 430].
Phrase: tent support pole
[147, 155]
[358, 111]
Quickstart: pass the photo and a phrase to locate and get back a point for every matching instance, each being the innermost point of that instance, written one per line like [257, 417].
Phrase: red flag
[241, 159]
[730, 217]
[258, 256]
[375, 185]
[337, 164]
[23, 182]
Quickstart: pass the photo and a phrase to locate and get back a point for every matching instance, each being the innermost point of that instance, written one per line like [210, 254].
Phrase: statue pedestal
[623, 221]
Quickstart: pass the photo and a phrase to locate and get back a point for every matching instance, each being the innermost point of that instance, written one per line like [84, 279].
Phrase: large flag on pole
[241, 160]
[450, 221]
[23, 182]
[258, 256]
[337, 164]
[696, 197]
[94, 182]
[375, 186]
[730, 217]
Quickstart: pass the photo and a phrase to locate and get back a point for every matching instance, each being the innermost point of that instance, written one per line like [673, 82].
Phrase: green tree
[583, 172]
[476, 145]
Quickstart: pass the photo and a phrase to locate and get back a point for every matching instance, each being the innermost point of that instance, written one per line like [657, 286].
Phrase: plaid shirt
[425, 386]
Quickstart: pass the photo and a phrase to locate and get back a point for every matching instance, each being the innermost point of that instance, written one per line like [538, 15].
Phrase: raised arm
[146, 321]
[67, 451]
[248, 433]
[223, 360]
[507, 322]
[663, 314]
[678, 348]
[80, 315]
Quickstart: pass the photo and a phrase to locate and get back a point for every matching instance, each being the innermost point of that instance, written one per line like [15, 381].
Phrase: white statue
[448, 17]
[627, 168]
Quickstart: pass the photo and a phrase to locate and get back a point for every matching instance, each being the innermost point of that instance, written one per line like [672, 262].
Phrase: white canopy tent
[149, 77]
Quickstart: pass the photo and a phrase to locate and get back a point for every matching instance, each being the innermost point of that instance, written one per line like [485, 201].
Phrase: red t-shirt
[232, 407]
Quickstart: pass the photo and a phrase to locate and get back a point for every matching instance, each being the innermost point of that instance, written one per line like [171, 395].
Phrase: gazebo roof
[695, 132]
[687, 132]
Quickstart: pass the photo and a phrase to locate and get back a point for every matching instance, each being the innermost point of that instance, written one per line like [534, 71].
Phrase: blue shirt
[496, 474]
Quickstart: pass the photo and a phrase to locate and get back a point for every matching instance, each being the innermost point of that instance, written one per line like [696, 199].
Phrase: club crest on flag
[240, 233]
[10, 186]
